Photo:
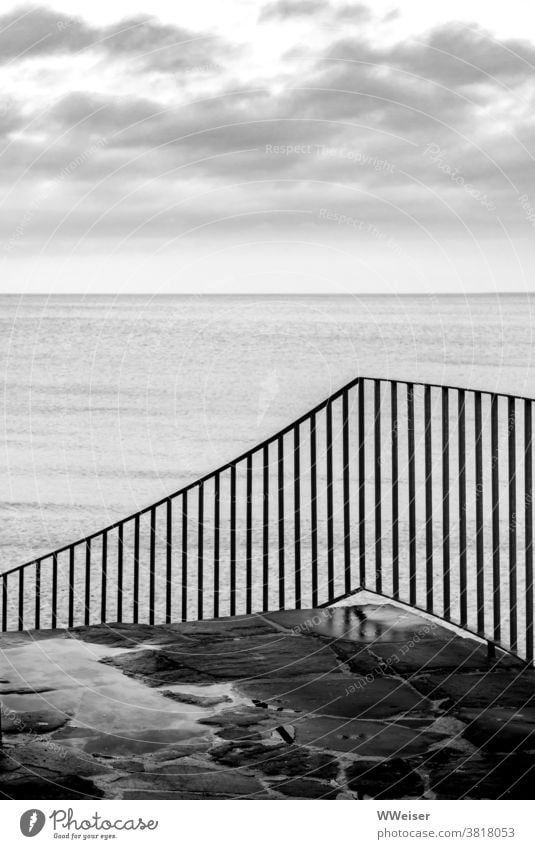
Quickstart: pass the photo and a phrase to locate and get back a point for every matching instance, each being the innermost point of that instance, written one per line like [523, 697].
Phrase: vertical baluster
[265, 528]
[412, 493]
[480, 575]
[281, 521]
[446, 502]
[135, 616]
[377, 487]
[104, 585]
[200, 553]
[87, 605]
[330, 527]
[297, 517]
[4, 602]
[347, 514]
[54, 590]
[233, 540]
[217, 519]
[362, 484]
[511, 439]
[313, 511]
[38, 594]
[184, 611]
[495, 494]
[428, 440]
[21, 600]
[120, 565]
[152, 565]
[168, 559]
[394, 440]
[71, 586]
[528, 507]
[463, 597]
[249, 538]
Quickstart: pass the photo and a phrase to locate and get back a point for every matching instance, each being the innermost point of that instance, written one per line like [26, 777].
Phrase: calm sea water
[111, 402]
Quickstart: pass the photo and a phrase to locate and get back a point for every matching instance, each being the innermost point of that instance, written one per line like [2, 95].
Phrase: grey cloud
[165, 48]
[464, 55]
[11, 117]
[454, 55]
[349, 91]
[352, 13]
[37, 31]
[98, 114]
[136, 122]
[32, 31]
[284, 9]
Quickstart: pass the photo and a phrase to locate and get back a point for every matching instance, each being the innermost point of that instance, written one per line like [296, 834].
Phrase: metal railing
[421, 493]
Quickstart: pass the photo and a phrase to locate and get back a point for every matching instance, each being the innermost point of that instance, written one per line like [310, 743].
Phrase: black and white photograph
[267, 364]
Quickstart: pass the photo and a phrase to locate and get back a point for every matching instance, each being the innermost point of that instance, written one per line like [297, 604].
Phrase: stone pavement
[368, 701]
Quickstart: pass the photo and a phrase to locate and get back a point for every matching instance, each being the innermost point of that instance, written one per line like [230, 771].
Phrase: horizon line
[441, 294]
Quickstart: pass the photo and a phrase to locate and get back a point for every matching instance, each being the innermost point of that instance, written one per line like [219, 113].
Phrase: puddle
[389, 621]
[97, 698]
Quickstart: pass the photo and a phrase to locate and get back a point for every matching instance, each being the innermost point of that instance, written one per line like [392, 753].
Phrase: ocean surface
[109, 403]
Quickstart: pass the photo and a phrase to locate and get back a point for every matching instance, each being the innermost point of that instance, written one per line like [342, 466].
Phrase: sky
[265, 147]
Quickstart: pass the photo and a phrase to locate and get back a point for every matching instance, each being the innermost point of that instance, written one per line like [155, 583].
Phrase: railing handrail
[255, 449]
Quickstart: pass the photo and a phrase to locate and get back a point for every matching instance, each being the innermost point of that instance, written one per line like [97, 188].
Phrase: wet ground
[368, 701]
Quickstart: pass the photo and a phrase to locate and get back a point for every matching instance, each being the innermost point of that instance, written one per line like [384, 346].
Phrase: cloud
[285, 9]
[36, 31]
[453, 54]
[160, 46]
[39, 32]
[352, 13]
[354, 128]
[11, 117]
[460, 55]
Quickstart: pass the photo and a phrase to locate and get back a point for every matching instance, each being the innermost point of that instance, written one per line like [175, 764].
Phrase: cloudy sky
[294, 145]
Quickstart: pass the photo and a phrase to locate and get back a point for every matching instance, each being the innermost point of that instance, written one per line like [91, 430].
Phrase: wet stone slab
[238, 657]
[480, 775]
[340, 696]
[366, 738]
[496, 687]
[392, 779]
[360, 702]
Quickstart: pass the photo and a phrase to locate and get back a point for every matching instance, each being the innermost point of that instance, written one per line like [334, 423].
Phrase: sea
[111, 402]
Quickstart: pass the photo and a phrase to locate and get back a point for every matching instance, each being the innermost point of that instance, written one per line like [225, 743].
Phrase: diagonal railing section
[419, 492]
